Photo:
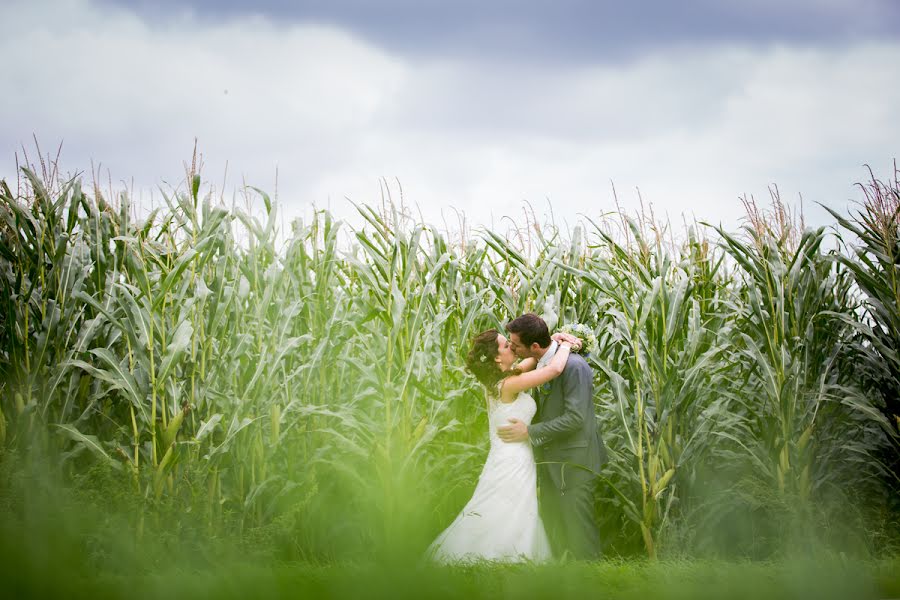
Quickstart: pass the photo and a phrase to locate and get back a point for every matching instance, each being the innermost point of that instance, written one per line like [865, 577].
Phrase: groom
[564, 430]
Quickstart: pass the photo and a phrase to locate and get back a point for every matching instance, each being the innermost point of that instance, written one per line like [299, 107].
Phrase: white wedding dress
[501, 521]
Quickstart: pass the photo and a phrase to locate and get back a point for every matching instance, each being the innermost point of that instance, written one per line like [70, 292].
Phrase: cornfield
[744, 380]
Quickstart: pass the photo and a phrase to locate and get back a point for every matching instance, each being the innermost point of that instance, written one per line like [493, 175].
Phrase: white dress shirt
[545, 359]
[548, 355]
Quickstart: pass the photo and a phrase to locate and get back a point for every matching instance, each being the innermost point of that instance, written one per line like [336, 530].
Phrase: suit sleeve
[576, 396]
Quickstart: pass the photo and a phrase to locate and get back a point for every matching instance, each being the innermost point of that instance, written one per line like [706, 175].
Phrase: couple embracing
[543, 405]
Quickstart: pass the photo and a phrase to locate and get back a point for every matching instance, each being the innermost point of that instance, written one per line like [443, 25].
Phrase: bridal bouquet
[585, 333]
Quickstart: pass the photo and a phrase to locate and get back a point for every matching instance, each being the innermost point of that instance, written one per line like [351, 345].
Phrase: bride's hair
[480, 361]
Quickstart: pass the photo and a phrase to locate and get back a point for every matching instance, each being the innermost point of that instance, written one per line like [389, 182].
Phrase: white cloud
[693, 128]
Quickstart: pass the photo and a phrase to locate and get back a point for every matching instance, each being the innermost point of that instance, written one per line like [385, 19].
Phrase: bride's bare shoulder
[504, 398]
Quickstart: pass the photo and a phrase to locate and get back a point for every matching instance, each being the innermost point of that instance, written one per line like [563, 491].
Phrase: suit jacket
[565, 430]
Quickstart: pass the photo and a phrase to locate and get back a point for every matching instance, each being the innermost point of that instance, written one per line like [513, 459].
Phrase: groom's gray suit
[564, 430]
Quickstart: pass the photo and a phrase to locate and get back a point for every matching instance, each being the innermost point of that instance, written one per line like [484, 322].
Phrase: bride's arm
[561, 337]
[532, 379]
[527, 365]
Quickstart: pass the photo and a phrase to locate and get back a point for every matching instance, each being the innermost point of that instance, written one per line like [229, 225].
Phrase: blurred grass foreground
[193, 404]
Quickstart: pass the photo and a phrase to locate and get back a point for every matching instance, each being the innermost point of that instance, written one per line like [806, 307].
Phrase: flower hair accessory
[483, 357]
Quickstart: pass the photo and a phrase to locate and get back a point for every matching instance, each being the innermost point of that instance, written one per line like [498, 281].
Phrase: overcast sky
[479, 106]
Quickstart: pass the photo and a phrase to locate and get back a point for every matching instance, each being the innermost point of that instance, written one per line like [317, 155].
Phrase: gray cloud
[561, 30]
[692, 127]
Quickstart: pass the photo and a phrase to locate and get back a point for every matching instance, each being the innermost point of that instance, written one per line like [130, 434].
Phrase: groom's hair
[531, 329]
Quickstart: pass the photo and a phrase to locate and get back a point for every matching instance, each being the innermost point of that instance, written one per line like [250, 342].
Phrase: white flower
[589, 342]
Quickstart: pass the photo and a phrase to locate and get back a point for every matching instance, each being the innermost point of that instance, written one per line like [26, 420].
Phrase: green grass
[77, 541]
[821, 579]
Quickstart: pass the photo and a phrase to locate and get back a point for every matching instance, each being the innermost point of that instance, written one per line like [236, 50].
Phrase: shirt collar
[548, 355]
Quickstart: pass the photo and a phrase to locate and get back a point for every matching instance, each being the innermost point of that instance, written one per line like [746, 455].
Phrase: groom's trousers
[568, 517]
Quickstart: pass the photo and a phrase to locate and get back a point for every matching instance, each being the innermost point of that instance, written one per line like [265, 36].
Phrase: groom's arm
[577, 382]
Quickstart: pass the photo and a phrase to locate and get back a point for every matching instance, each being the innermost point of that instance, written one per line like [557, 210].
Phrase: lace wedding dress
[501, 521]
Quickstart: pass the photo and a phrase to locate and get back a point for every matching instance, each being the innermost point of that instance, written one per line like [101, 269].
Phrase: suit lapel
[543, 395]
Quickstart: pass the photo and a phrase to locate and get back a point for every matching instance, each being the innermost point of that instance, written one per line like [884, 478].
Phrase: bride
[501, 521]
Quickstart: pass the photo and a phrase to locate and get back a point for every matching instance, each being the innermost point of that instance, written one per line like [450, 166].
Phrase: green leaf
[181, 339]
[90, 442]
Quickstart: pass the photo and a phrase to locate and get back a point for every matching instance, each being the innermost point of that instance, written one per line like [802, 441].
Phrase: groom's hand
[516, 431]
